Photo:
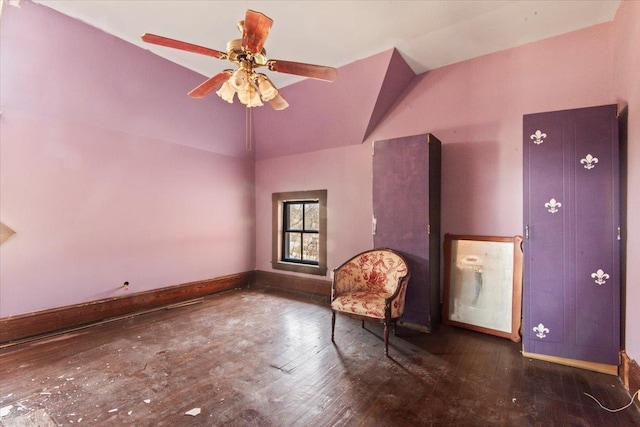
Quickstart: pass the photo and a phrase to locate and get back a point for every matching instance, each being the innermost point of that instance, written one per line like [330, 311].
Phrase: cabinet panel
[572, 271]
[597, 264]
[403, 211]
[547, 202]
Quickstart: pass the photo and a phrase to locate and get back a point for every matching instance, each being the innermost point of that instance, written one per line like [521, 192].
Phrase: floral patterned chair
[371, 286]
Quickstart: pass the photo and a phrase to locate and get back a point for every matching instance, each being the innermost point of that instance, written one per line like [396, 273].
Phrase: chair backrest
[375, 270]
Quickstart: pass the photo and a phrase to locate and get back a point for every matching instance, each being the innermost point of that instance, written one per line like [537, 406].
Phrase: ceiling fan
[248, 54]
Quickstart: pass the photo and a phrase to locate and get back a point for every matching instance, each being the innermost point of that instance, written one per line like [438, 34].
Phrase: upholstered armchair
[371, 286]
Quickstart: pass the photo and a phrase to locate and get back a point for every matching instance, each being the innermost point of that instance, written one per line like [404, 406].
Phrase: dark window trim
[277, 227]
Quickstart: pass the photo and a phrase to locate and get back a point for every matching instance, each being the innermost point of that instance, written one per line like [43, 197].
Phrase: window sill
[300, 268]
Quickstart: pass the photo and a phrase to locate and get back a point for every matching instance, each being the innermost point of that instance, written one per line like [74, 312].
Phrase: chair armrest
[396, 302]
[345, 280]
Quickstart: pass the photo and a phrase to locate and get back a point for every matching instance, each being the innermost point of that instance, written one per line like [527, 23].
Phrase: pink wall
[323, 115]
[64, 68]
[626, 77]
[475, 108]
[346, 175]
[108, 171]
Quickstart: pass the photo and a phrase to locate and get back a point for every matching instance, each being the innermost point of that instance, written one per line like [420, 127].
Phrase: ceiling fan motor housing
[237, 53]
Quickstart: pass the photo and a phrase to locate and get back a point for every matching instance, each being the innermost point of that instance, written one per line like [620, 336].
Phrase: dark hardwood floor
[261, 357]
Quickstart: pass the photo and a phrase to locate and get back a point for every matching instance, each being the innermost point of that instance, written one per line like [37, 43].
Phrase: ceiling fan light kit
[266, 88]
[248, 54]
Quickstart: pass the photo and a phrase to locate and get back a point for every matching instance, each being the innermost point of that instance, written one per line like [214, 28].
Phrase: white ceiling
[428, 34]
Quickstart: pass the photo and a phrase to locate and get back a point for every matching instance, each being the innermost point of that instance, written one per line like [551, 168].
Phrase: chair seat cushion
[370, 304]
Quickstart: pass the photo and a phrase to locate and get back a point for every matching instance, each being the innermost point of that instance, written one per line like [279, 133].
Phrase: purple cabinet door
[571, 250]
[545, 220]
[406, 200]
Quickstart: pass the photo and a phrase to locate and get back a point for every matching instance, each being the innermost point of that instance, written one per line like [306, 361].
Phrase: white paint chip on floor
[193, 412]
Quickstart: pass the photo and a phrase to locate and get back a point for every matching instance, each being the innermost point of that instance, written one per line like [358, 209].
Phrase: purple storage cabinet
[406, 208]
[571, 287]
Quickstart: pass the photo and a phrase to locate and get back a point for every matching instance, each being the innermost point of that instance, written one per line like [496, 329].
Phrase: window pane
[310, 247]
[294, 216]
[293, 242]
[312, 216]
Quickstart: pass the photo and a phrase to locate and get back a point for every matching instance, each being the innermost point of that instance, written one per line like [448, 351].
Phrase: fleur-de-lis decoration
[552, 205]
[541, 331]
[538, 137]
[600, 276]
[589, 161]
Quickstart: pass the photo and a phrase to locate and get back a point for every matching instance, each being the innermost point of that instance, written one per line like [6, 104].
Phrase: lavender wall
[345, 173]
[108, 171]
[323, 115]
[626, 77]
[317, 144]
[475, 108]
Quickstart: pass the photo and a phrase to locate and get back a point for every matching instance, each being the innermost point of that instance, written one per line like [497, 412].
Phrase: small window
[299, 232]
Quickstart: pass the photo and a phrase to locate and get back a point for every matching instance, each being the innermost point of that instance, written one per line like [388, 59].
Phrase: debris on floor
[193, 412]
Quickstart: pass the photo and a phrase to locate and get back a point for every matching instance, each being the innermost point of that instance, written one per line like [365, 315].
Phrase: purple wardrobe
[406, 209]
[571, 287]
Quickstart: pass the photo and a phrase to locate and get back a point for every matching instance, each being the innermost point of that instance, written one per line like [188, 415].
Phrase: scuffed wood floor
[261, 357]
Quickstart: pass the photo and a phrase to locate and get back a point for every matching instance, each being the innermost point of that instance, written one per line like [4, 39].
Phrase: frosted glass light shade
[226, 92]
[267, 90]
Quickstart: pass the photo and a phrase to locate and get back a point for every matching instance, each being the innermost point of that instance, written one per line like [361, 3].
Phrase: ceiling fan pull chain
[248, 128]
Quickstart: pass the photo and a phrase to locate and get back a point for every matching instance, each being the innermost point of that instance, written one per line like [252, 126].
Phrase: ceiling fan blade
[177, 44]
[278, 103]
[300, 69]
[255, 31]
[210, 85]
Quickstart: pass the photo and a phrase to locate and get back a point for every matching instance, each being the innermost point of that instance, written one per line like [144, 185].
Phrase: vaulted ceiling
[427, 34]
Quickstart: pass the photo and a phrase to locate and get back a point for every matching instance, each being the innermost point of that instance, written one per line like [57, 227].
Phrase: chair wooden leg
[333, 325]
[386, 338]
[363, 324]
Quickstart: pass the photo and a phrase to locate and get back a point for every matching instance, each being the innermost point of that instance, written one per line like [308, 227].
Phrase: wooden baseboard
[416, 326]
[630, 374]
[23, 326]
[315, 287]
[582, 364]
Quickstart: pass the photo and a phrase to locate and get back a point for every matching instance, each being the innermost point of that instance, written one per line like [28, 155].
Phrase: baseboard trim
[630, 374]
[20, 327]
[309, 286]
[415, 326]
[582, 364]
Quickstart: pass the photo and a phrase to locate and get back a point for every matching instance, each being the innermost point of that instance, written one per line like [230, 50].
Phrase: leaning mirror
[483, 284]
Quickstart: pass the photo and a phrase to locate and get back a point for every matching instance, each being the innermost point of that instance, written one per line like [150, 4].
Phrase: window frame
[277, 238]
[286, 230]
